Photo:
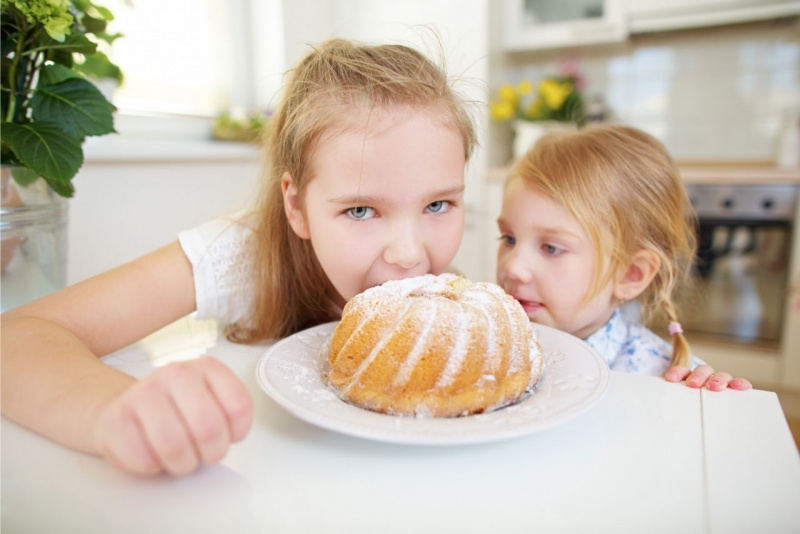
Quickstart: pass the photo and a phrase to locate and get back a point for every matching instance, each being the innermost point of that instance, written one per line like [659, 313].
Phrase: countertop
[648, 457]
[711, 172]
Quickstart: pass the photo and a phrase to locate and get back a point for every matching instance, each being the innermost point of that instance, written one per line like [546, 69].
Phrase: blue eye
[551, 249]
[440, 206]
[508, 239]
[361, 212]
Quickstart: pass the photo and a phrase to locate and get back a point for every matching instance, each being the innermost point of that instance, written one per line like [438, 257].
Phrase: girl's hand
[183, 415]
[704, 376]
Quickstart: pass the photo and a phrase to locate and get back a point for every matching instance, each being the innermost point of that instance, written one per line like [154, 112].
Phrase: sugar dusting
[404, 373]
[488, 299]
[387, 335]
[485, 303]
[457, 356]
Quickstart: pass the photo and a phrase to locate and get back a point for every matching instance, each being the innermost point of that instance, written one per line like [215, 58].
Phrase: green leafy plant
[239, 127]
[47, 105]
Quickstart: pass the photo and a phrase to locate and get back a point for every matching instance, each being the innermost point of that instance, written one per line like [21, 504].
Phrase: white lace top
[223, 274]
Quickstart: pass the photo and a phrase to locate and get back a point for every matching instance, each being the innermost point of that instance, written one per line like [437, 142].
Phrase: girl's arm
[53, 383]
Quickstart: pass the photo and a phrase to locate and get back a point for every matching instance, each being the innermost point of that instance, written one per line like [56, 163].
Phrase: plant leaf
[109, 37]
[61, 57]
[46, 149]
[62, 188]
[103, 12]
[75, 42]
[52, 74]
[98, 66]
[77, 105]
[94, 25]
[24, 176]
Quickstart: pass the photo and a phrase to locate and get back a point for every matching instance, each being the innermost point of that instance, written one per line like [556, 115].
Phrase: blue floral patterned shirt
[630, 347]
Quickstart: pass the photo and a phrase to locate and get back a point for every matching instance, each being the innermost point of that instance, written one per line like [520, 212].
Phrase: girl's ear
[640, 272]
[293, 207]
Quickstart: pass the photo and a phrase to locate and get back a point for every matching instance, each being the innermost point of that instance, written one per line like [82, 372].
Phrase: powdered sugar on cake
[471, 343]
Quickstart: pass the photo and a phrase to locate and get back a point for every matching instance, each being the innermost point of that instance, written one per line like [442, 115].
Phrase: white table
[649, 457]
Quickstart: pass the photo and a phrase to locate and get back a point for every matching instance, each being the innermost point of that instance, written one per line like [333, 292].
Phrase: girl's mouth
[530, 306]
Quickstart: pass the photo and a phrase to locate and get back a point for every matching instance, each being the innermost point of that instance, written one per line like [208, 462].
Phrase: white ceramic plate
[292, 372]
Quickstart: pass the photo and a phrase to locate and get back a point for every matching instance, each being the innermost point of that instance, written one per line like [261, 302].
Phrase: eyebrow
[368, 200]
[546, 229]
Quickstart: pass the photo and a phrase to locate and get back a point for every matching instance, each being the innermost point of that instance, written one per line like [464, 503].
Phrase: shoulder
[649, 353]
[232, 228]
[222, 264]
[630, 347]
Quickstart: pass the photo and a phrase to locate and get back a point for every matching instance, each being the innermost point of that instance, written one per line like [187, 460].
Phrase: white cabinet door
[530, 24]
[656, 15]
[791, 326]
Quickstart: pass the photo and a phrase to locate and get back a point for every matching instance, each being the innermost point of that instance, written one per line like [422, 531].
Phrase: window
[196, 57]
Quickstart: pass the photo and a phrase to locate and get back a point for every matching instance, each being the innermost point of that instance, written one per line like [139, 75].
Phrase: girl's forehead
[371, 121]
[517, 188]
[526, 205]
[401, 151]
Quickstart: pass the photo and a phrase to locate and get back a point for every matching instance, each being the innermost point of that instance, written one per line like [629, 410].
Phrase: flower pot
[526, 133]
[33, 229]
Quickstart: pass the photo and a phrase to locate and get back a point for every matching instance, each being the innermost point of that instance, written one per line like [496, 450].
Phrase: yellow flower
[555, 93]
[502, 110]
[525, 87]
[508, 94]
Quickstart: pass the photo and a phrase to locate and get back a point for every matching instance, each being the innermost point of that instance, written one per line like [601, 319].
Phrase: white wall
[719, 93]
[124, 208]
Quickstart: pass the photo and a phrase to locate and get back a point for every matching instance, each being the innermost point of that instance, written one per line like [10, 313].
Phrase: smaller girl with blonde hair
[591, 220]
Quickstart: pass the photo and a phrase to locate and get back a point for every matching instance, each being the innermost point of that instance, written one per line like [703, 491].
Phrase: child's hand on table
[704, 376]
[183, 415]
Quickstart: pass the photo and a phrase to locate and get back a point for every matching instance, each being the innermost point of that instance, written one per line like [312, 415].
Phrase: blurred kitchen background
[718, 81]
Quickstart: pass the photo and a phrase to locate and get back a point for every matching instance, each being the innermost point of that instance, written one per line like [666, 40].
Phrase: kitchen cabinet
[543, 24]
[658, 15]
[791, 326]
[538, 24]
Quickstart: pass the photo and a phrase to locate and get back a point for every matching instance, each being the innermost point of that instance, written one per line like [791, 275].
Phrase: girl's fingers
[232, 396]
[677, 373]
[740, 384]
[201, 413]
[166, 432]
[718, 381]
[704, 375]
[121, 441]
[181, 415]
[699, 376]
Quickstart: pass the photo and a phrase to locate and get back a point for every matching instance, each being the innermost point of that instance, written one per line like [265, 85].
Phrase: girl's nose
[404, 248]
[515, 266]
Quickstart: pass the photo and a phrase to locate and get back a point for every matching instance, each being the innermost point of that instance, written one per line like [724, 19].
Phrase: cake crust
[436, 346]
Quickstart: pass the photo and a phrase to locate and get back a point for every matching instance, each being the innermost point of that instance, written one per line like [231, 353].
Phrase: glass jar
[33, 227]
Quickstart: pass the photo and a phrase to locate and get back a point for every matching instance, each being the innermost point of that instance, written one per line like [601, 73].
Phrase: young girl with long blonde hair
[366, 176]
[591, 220]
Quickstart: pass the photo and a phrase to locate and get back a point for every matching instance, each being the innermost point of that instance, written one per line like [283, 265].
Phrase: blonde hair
[334, 88]
[624, 189]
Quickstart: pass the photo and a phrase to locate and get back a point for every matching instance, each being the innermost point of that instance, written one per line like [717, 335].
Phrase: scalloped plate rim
[358, 422]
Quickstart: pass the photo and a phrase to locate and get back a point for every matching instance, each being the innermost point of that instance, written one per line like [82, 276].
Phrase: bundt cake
[437, 346]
